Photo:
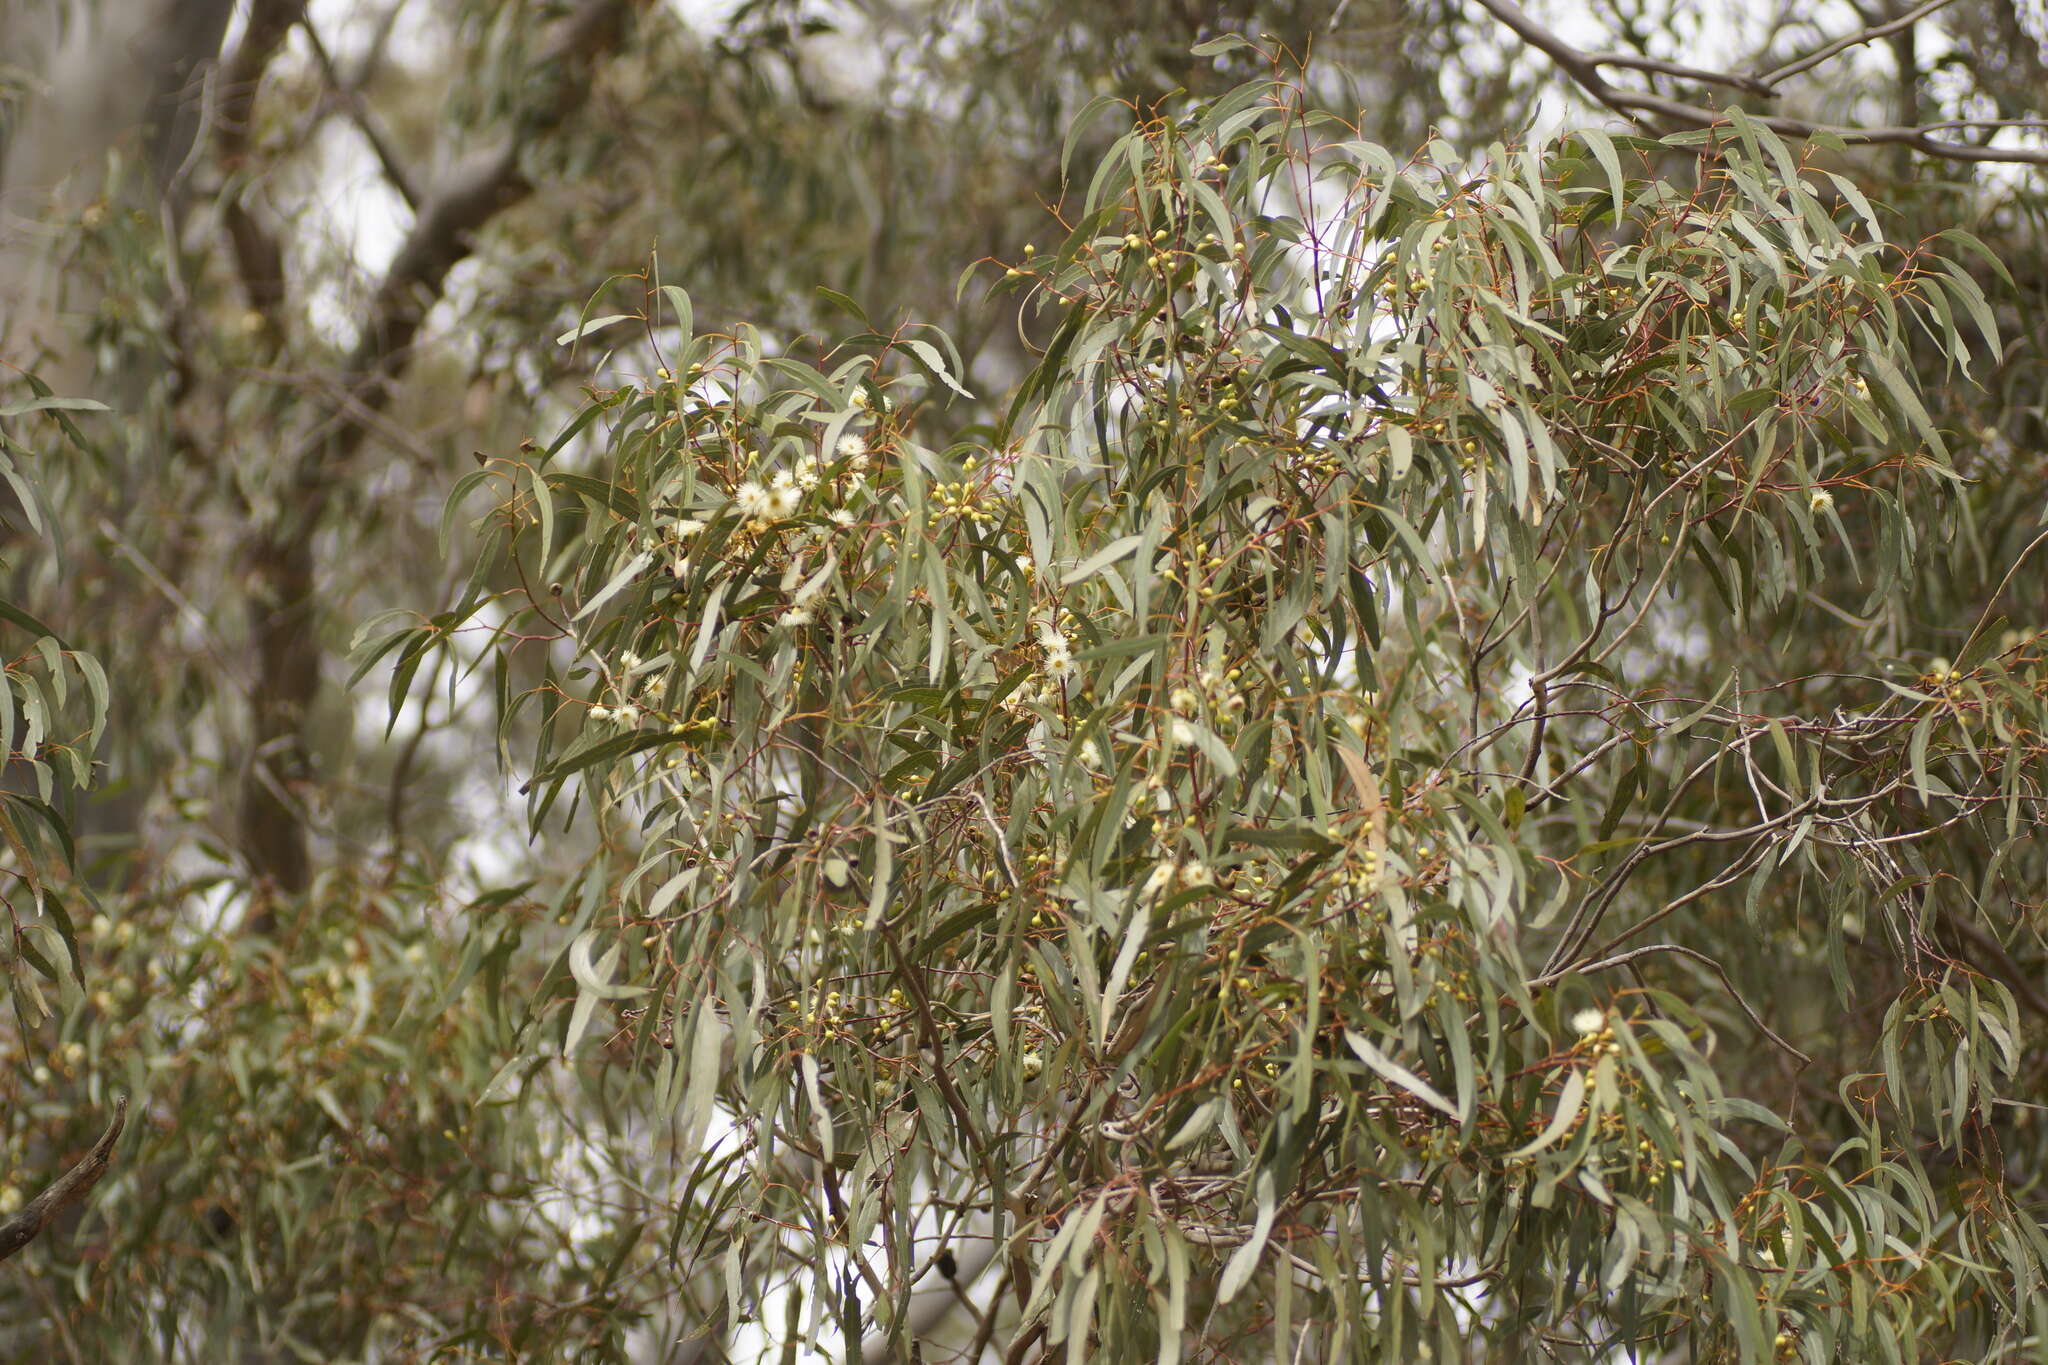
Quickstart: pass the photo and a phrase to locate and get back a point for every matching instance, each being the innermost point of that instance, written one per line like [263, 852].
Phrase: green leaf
[1120, 548]
[10, 612]
[928, 358]
[1393, 1071]
[49, 404]
[1571, 1098]
[1603, 151]
[1237, 1271]
[584, 329]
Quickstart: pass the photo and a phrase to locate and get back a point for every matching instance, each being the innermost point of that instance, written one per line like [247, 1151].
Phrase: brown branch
[282, 574]
[373, 51]
[69, 1188]
[259, 259]
[1584, 69]
[1653, 66]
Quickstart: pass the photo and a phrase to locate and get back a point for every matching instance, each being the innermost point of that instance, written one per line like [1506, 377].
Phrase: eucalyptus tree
[1538, 608]
[192, 191]
[1350, 822]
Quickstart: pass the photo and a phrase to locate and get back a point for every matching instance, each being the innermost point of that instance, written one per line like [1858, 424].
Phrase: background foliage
[1380, 746]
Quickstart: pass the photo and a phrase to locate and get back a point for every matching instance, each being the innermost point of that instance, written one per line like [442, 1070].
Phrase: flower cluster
[630, 696]
[1058, 651]
[778, 499]
[1168, 874]
[1596, 1032]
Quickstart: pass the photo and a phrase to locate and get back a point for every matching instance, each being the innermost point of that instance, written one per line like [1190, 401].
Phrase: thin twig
[365, 122]
[1856, 39]
[1584, 69]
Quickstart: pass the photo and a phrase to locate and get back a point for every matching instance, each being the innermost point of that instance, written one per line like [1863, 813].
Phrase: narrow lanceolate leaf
[595, 977]
[584, 329]
[1237, 1271]
[625, 574]
[1400, 1075]
[1571, 1097]
[52, 404]
[929, 356]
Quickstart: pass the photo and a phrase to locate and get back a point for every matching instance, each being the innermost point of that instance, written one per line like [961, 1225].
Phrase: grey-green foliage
[1290, 827]
[53, 712]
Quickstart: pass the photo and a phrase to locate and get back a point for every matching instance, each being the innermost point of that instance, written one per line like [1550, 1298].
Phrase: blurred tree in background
[1359, 752]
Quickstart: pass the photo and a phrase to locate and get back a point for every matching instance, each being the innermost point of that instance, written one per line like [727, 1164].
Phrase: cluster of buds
[1456, 988]
[1155, 259]
[1316, 462]
[1215, 693]
[1654, 1165]
[106, 999]
[827, 1017]
[966, 499]
[1617, 296]
[1363, 872]
[122, 934]
[1015, 272]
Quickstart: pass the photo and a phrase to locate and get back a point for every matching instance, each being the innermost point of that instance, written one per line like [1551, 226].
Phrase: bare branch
[1653, 66]
[281, 565]
[358, 109]
[69, 1188]
[1856, 39]
[1584, 69]
[373, 51]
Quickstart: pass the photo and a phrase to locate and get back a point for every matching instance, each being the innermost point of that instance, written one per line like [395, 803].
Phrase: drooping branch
[67, 1190]
[1585, 69]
